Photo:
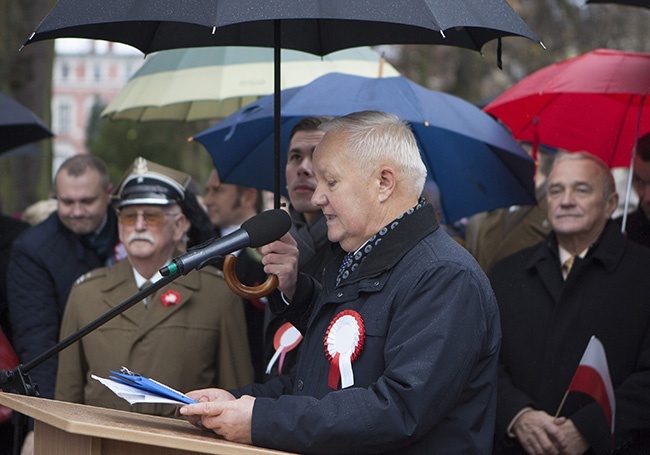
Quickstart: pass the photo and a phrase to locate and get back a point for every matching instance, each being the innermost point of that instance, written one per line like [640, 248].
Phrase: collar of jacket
[607, 250]
[83, 253]
[308, 236]
[190, 281]
[395, 244]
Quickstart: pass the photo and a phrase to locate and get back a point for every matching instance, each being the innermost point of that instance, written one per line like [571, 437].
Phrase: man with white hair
[189, 333]
[401, 339]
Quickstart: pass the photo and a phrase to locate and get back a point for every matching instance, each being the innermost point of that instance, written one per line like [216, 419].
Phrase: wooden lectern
[62, 428]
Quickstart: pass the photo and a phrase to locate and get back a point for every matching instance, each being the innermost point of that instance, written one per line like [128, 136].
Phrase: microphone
[257, 231]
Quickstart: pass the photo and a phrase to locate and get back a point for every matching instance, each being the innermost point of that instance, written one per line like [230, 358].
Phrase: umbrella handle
[243, 291]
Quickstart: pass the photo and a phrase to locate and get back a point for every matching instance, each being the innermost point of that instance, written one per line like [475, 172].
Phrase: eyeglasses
[151, 218]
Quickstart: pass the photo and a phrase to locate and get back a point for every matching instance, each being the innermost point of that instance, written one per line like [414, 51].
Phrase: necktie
[145, 285]
[566, 267]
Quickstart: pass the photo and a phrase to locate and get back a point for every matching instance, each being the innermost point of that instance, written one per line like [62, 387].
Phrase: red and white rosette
[343, 344]
[286, 339]
[170, 297]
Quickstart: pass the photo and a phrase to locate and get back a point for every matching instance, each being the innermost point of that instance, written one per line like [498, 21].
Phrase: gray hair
[375, 136]
[609, 186]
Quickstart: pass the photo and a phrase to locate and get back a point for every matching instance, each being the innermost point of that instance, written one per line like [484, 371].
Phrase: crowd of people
[408, 340]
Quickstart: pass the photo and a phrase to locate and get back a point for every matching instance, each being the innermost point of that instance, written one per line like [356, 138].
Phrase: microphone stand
[18, 381]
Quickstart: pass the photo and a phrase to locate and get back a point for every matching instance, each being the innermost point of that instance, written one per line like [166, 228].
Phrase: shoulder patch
[84, 277]
[93, 274]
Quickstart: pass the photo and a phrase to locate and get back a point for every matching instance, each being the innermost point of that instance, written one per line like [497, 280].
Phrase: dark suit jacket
[547, 323]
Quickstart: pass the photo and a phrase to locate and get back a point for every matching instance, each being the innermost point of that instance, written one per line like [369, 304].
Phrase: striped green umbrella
[213, 82]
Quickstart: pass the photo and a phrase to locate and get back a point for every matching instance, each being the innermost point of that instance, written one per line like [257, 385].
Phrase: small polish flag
[592, 377]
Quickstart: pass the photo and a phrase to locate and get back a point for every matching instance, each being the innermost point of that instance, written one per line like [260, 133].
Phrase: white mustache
[147, 237]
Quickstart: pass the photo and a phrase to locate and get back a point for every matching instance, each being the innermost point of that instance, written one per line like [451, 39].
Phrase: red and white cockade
[343, 344]
[286, 339]
[170, 297]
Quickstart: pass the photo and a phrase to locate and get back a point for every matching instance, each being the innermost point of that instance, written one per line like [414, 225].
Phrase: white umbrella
[213, 82]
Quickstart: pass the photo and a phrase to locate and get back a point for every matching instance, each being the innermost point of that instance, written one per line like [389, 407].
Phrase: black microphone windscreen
[267, 227]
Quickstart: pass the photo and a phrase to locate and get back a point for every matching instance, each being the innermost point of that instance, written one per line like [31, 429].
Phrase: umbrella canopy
[474, 160]
[597, 102]
[213, 82]
[643, 3]
[318, 27]
[19, 125]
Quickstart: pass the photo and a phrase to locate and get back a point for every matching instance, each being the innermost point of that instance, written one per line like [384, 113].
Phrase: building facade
[80, 80]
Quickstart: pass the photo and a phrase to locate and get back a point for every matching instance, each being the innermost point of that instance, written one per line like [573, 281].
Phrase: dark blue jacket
[425, 380]
[45, 262]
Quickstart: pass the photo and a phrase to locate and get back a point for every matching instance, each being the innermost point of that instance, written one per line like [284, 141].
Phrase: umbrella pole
[277, 98]
[628, 189]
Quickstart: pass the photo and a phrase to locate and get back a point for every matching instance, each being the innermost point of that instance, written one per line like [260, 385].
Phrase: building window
[65, 71]
[97, 73]
[64, 118]
[81, 71]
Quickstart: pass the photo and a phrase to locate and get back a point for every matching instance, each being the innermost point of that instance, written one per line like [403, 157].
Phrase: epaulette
[92, 275]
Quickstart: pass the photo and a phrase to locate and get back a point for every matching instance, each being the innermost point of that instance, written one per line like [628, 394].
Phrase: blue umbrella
[474, 160]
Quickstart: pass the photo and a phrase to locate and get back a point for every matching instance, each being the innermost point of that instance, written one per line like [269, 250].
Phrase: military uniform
[198, 340]
[191, 334]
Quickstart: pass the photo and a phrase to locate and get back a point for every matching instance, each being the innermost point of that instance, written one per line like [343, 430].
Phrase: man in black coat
[549, 313]
[47, 259]
[401, 340]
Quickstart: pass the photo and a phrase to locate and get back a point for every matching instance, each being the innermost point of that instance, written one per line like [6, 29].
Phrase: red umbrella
[597, 102]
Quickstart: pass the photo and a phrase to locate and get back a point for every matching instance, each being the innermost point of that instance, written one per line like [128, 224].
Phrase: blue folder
[148, 385]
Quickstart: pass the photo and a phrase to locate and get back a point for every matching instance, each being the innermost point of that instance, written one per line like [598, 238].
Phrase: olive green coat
[199, 342]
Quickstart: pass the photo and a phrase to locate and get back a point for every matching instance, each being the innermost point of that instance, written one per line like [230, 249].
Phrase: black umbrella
[19, 125]
[315, 26]
[643, 3]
